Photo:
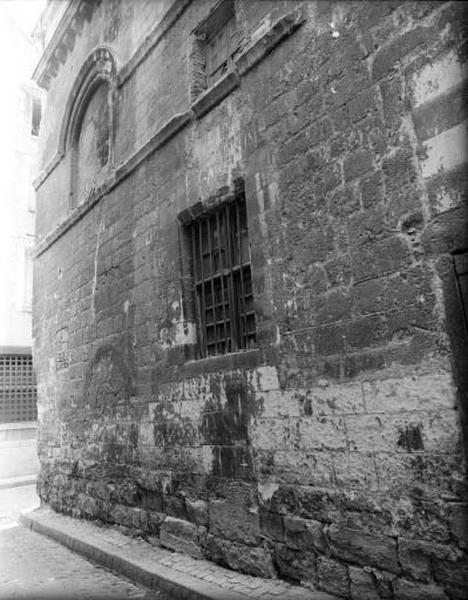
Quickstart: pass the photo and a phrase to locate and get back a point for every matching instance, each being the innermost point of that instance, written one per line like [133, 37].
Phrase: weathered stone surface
[452, 575]
[297, 565]
[333, 577]
[386, 58]
[304, 534]
[409, 590]
[248, 559]
[363, 548]
[396, 395]
[180, 536]
[358, 164]
[155, 520]
[333, 442]
[416, 556]
[234, 522]
[459, 523]
[332, 399]
[197, 511]
[130, 516]
[87, 505]
[363, 585]
[414, 562]
[152, 499]
[271, 524]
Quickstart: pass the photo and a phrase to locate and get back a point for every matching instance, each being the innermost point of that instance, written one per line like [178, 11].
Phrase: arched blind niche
[91, 146]
[88, 132]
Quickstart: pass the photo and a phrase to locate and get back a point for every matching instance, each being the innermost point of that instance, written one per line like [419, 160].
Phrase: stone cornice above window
[248, 57]
[63, 40]
[261, 46]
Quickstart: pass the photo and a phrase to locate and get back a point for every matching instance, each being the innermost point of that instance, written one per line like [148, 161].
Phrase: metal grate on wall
[222, 280]
[18, 392]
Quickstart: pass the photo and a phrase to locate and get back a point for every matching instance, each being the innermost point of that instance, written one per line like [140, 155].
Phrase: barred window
[18, 394]
[222, 280]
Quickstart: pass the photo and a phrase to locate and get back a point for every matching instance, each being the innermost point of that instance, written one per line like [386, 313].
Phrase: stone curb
[147, 572]
[168, 580]
[17, 481]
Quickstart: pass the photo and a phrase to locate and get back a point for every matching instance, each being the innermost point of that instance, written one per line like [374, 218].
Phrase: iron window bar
[222, 280]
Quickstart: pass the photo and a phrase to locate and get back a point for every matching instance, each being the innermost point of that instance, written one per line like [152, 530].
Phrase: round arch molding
[99, 69]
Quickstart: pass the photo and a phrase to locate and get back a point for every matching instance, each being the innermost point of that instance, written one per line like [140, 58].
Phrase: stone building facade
[250, 329]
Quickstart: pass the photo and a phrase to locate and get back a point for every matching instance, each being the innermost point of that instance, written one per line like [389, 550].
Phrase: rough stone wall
[333, 454]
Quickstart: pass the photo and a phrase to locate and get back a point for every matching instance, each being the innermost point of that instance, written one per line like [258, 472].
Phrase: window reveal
[36, 114]
[222, 280]
[461, 280]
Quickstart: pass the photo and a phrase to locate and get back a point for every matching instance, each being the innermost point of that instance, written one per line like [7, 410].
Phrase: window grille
[18, 393]
[461, 278]
[222, 280]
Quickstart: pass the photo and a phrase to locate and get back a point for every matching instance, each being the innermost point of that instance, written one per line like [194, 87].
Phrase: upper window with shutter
[217, 41]
[222, 45]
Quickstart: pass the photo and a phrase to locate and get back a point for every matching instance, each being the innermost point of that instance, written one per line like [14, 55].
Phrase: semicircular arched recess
[87, 132]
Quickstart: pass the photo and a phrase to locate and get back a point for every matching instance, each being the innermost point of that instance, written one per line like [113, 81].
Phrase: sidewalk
[182, 576]
[13, 500]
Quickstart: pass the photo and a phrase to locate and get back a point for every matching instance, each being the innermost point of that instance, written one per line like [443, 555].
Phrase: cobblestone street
[34, 567]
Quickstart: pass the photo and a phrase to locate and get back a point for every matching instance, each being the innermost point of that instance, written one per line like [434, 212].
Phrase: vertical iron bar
[202, 277]
[195, 276]
[241, 278]
[13, 393]
[222, 279]
[232, 311]
[213, 300]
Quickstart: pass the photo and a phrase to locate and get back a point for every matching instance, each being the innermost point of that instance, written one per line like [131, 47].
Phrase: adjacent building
[20, 117]
[250, 285]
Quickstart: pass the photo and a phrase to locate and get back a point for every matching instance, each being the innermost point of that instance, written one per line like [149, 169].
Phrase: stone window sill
[244, 359]
[215, 94]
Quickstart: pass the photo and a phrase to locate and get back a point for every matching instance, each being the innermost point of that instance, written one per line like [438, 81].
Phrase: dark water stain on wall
[170, 428]
[108, 382]
[226, 427]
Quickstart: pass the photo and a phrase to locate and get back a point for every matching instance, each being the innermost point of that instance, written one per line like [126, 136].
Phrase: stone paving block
[138, 560]
[33, 566]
